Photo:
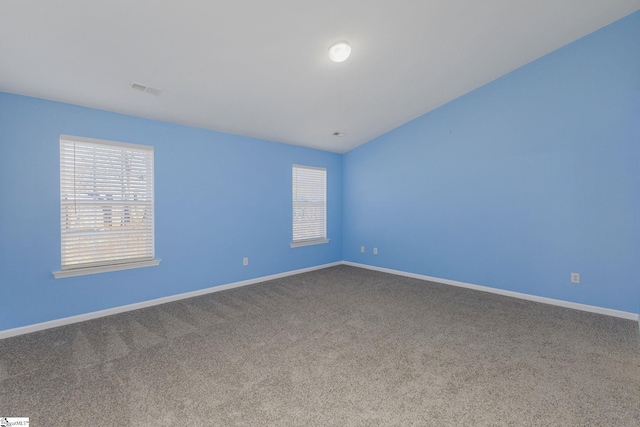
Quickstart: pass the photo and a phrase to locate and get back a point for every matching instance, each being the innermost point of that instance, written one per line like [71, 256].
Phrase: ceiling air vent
[147, 89]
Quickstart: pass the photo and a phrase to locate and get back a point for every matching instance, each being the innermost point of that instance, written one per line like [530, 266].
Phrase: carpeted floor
[341, 346]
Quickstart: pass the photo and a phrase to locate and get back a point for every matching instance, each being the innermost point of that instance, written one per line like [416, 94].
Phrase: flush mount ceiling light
[339, 51]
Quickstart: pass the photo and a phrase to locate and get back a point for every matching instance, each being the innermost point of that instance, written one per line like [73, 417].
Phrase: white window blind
[106, 201]
[309, 205]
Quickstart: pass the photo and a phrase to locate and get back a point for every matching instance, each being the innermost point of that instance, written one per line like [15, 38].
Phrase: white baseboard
[551, 301]
[121, 309]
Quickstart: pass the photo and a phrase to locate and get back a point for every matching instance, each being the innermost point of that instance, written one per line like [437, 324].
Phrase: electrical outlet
[362, 249]
[375, 251]
[245, 261]
[575, 277]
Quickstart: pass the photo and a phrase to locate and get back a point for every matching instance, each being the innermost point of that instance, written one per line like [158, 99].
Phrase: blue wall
[516, 184]
[219, 198]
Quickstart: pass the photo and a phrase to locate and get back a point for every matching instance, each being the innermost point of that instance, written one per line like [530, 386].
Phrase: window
[106, 206]
[309, 206]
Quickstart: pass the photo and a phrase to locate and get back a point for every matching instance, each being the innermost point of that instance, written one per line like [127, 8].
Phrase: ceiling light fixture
[339, 51]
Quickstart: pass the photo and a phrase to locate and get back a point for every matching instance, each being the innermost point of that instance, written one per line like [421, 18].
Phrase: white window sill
[309, 242]
[104, 268]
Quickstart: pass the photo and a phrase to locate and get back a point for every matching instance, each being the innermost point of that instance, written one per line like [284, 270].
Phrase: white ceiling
[260, 68]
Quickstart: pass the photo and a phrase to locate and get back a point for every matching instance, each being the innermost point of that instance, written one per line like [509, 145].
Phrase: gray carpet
[336, 347]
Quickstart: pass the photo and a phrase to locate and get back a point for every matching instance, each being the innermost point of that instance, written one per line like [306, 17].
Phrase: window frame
[315, 240]
[71, 270]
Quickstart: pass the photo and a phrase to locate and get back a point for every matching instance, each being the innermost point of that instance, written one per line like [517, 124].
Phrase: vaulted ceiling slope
[260, 68]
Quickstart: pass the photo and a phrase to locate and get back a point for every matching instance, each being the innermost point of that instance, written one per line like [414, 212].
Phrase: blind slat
[106, 202]
[309, 203]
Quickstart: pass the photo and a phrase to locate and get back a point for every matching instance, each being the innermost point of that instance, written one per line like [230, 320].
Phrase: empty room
[336, 213]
